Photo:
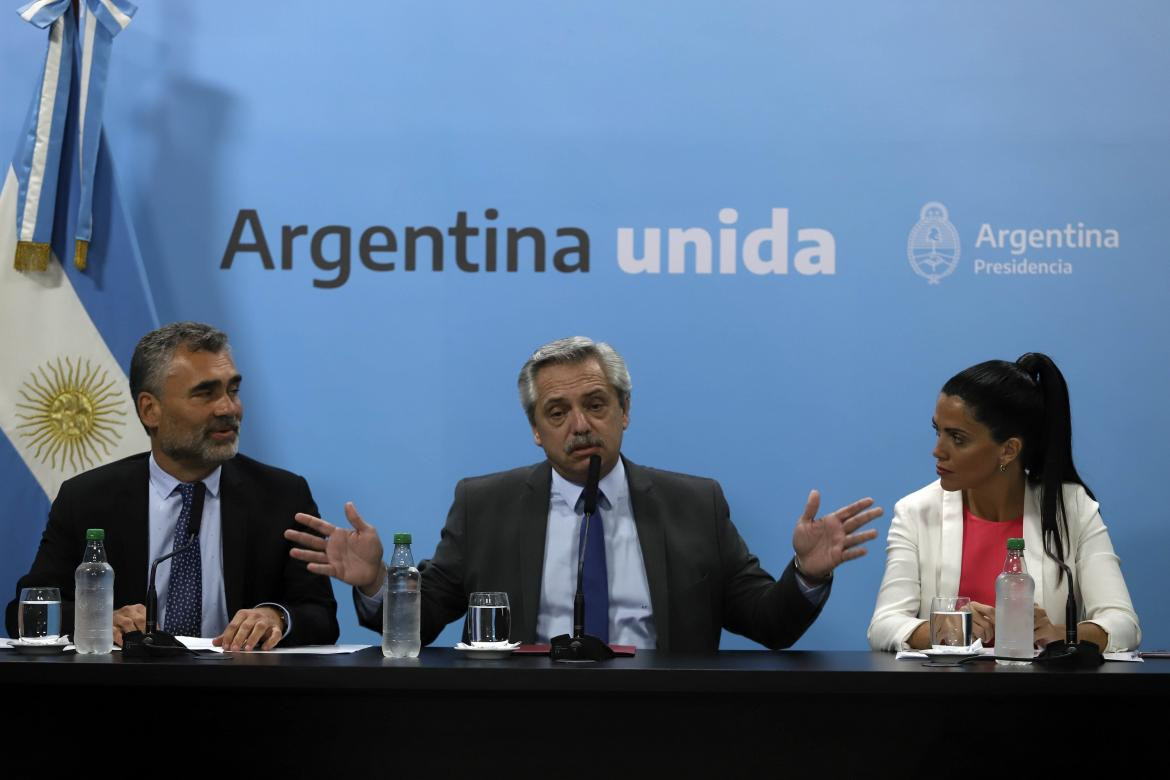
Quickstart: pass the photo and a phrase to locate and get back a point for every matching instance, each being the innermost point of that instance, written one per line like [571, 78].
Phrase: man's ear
[149, 410]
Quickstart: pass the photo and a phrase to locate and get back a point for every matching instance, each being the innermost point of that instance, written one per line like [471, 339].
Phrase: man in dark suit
[677, 570]
[186, 390]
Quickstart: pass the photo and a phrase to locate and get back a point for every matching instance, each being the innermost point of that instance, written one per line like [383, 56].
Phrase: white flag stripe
[33, 9]
[119, 17]
[48, 100]
[65, 330]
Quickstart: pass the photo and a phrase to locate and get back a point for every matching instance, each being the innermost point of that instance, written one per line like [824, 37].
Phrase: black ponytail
[1028, 399]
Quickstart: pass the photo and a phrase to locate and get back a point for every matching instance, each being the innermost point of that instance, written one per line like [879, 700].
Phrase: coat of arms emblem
[933, 246]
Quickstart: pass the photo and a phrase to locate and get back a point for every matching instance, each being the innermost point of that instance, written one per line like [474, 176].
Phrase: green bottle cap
[95, 533]
[401, 538]
[1015, 544]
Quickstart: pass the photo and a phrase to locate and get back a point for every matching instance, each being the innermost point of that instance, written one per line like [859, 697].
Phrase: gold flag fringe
[31, 256]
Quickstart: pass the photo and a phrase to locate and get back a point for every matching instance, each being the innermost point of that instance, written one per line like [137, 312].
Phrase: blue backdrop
[1042, 130]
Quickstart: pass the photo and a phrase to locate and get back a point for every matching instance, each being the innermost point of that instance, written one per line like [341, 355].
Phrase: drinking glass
[950, 622]
[39, 619]
[489, 619]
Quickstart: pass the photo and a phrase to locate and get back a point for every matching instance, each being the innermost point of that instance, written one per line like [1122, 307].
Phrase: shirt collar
[613, 487]
[164, 484]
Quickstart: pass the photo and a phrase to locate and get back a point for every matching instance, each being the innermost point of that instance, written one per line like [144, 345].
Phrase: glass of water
[40, 615]
[489, 619]
[950, 622]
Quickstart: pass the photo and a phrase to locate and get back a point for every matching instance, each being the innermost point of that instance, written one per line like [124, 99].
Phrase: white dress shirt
[165, 504]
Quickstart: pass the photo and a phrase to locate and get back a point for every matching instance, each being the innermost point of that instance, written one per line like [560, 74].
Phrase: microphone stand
[1071, 652]
[155, 643]
[581, 647]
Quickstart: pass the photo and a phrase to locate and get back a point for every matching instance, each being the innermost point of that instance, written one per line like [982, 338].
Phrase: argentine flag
[66, 334]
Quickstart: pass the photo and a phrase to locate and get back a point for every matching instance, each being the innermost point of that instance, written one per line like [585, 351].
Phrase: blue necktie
[594, 578]
[185, 594]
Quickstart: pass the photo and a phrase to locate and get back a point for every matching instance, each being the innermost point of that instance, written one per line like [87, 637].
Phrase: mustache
[582, 440]
[221, 424]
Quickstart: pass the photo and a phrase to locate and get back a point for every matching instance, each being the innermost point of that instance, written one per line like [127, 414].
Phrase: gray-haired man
[677, 570]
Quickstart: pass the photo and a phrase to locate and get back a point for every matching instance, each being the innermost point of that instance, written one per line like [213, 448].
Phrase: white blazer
[924, 556]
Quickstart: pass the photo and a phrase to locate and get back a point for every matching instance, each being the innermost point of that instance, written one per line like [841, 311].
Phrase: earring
[1002, 467]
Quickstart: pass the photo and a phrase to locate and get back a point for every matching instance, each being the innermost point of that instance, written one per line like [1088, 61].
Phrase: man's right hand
[354, 557]
[131, 617]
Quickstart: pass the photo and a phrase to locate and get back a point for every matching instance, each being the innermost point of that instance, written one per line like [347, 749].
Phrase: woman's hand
[1045, 631]
[982, 622]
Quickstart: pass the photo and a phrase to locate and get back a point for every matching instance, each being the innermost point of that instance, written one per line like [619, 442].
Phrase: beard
[198, 446]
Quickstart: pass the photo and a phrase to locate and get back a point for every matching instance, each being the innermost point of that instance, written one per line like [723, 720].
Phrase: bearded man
[236, 583]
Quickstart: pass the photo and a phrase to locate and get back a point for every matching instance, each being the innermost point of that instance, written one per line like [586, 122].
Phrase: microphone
[155, 643]
[580, 647]
[591, 480]
[1071, 652]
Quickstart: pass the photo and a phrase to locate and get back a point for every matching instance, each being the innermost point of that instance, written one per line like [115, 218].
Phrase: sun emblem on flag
[70, 413]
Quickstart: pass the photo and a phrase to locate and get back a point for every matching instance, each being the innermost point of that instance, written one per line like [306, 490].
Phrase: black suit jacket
[702, 577]
[257, 503]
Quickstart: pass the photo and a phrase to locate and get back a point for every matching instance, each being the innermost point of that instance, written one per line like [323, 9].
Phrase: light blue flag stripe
[97, 26]
[37, 161]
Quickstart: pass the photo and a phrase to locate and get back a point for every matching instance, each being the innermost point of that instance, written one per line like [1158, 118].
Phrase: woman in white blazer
[1004, 455]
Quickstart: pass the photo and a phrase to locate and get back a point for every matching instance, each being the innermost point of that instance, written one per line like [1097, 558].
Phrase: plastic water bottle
[93, 613]
[402, 607]
[1014, 613]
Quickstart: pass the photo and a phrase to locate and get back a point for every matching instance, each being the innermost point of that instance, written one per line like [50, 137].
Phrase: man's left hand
[261, 628]
[822, 544]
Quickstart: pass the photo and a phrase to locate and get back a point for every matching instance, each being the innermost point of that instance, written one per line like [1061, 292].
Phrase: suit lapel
[533, 519]
[1034, 558]
[233, 519]
[950, 555]
[652, 539]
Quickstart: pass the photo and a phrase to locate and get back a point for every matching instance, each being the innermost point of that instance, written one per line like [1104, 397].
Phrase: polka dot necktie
[595, 577]
[185, 594]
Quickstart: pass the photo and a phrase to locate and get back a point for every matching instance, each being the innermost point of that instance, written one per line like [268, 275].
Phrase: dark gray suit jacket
[702, 577]
[257, 502]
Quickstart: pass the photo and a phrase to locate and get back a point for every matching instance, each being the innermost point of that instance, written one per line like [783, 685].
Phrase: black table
[835, 714]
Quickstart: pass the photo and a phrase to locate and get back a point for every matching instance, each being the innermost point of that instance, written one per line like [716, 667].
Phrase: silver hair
[573, 350]
[153, 355]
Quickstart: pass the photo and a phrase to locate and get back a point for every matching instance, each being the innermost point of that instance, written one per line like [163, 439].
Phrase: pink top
[984, 551]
